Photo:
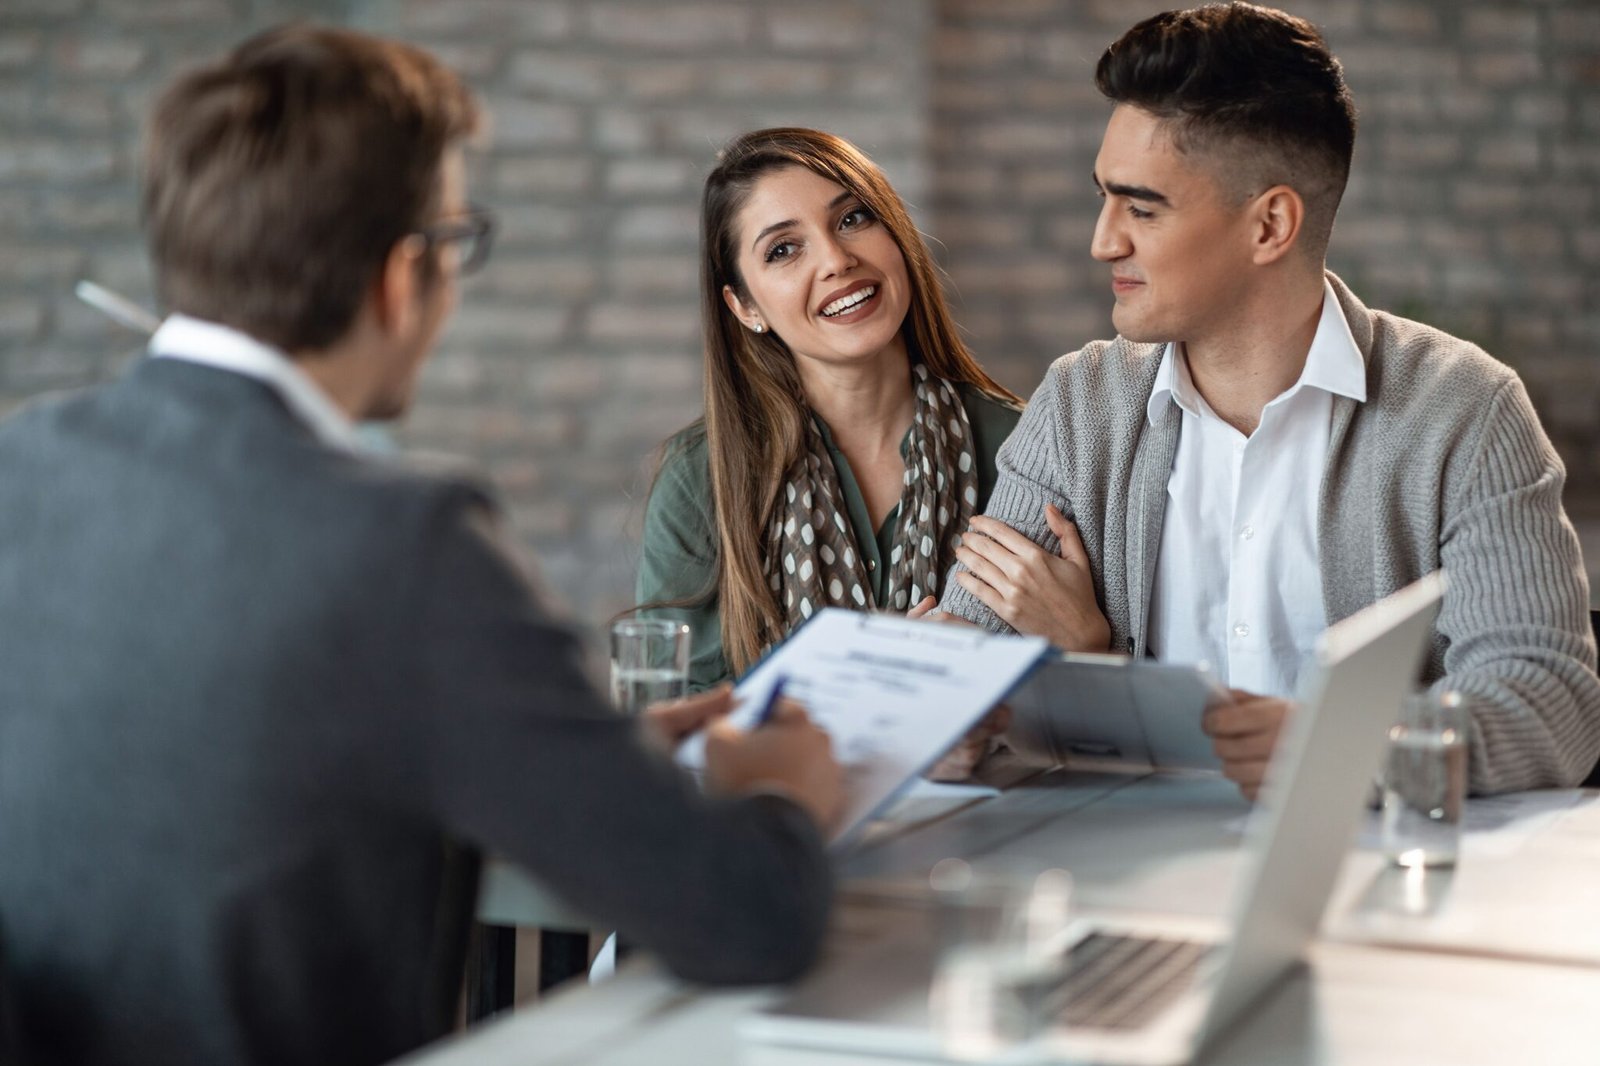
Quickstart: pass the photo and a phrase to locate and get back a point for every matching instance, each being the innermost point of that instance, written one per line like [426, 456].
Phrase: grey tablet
[1115, 709]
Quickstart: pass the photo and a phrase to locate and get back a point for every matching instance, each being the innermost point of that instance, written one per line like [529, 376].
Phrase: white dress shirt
[1238, 579]
[195, 340]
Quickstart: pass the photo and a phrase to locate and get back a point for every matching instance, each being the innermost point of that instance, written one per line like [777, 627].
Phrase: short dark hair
[278, 179]
[1256, 82]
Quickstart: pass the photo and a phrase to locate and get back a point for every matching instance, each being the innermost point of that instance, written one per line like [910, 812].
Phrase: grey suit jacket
[248, 685]
[1445, 464]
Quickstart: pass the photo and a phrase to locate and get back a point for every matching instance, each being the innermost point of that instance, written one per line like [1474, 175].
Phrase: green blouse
[678, 555]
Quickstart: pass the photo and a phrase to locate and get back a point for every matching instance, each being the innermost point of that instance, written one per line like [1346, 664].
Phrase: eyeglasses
[472, 230]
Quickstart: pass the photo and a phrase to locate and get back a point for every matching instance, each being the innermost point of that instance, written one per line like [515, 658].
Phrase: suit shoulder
[379, 507]
[42, 411]
[424, 481]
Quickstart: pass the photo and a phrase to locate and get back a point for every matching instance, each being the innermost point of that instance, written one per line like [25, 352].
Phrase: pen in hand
[770, 708]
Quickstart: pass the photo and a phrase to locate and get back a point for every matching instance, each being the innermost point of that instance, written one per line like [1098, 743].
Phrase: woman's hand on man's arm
[1032, 590]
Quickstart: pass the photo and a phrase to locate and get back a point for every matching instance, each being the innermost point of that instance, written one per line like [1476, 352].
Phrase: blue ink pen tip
[771, 706]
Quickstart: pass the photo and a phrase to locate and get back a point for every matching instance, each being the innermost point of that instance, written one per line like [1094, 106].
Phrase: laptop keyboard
[1121, 982]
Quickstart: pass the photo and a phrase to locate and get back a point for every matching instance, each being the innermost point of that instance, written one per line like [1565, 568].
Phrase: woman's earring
[759, 328]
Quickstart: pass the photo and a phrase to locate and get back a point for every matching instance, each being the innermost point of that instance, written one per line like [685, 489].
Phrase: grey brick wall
[1474, 204]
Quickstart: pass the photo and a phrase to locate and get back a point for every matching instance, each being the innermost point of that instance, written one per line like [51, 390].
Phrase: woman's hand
[1031, 590]
[960, 761]
[928, 609]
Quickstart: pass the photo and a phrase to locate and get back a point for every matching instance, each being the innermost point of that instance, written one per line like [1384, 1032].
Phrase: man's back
[196, 602]
[249, 682]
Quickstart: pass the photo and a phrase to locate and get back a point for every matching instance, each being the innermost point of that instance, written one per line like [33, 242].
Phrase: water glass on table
[649, 662]
[1425, 781]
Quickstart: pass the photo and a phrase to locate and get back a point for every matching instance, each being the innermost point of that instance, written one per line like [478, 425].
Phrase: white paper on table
[893, 694]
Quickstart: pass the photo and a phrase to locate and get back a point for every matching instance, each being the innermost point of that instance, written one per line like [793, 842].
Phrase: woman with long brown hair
[848, 434]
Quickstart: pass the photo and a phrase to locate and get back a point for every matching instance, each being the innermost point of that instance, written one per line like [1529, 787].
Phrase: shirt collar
[195, 340]
[1168, 388]
[1334, 364]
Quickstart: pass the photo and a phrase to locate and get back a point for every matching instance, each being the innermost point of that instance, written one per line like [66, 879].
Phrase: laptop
[1153, 989]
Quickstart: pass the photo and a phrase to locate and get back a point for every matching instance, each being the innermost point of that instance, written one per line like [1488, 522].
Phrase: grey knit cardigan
[1444, 464]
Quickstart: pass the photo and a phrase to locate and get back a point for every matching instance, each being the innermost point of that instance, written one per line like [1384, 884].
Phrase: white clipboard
[893, 693]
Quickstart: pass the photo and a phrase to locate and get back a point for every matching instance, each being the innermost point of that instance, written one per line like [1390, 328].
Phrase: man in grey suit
[1257, 454]
[257, 688]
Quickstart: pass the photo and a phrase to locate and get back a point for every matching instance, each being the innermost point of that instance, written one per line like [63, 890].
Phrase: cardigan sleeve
[1520, 647]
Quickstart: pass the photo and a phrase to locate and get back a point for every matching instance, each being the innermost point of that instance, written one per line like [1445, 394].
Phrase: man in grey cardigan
[1257, 454]
[263, 698]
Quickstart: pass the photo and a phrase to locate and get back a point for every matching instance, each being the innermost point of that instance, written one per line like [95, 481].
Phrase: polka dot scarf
[813, 558]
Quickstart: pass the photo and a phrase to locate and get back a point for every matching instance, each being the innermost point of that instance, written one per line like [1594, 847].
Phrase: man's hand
[789, 755]
[670, 722]
[1033, 591]
[961, 760]
[1243, 734]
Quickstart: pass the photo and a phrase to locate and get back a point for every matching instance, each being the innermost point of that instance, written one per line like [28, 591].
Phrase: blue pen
[771, 706]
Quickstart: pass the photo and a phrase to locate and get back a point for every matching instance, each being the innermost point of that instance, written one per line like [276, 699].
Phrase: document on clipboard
[892, 693]
[1114, 710]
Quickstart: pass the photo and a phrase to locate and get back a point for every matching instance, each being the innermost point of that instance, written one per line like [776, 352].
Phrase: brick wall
[1474, 205]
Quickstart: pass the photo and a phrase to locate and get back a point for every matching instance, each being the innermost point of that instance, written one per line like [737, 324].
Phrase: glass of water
[1425, 781]
[649, 662]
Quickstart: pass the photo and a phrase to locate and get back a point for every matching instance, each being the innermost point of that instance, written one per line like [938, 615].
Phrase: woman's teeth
[846, 303]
